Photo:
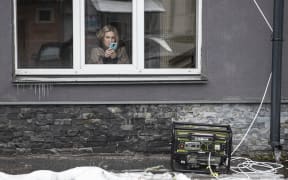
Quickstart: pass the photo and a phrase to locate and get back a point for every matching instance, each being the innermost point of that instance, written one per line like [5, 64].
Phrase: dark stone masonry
[79, 129]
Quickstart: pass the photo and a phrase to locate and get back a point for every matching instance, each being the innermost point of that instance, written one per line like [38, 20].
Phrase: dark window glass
[170, 33]
[108, 24]
[40, 44]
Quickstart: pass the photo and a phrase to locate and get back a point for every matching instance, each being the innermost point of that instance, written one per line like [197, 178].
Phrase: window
[154, 39]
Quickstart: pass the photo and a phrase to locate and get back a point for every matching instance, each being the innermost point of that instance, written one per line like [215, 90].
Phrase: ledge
[112, 79]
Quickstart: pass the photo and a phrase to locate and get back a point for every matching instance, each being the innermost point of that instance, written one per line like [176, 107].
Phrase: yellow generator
[200, 148]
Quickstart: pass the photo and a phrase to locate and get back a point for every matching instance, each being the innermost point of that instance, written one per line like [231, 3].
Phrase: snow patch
[90, 173]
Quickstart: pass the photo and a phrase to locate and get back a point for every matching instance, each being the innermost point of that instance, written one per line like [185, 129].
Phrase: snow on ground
[96, 173]
[91, 173]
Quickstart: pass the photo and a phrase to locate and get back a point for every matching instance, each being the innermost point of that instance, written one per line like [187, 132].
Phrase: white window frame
[121, 70]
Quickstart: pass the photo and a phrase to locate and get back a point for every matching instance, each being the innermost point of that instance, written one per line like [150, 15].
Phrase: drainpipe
[276, 74]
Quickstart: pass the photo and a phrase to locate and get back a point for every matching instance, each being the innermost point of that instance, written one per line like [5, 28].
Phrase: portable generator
[192, 143]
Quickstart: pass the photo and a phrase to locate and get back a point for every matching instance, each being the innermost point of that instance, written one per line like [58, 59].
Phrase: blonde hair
[107, 28]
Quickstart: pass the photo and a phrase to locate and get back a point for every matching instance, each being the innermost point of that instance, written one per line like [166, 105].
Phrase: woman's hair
[107, 28]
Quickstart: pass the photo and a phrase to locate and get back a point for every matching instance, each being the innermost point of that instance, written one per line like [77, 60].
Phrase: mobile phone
[113, 45]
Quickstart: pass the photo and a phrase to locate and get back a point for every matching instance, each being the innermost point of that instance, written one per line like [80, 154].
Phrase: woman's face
[108, 38]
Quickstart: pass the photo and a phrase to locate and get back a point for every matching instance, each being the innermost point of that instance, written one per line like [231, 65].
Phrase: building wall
[236, 60]
[126, 128]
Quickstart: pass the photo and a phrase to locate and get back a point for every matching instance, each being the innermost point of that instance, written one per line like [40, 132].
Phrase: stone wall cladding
[77, 129]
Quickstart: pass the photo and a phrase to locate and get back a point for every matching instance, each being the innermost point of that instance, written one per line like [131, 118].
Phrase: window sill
[105, 79]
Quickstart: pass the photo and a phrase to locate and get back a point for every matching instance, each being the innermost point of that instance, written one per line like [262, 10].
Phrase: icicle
[43, 90]
[35, 89]
[17, 89]
[47, 89]
[40, 90]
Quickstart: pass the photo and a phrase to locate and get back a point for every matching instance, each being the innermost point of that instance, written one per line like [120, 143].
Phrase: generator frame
[193, 143]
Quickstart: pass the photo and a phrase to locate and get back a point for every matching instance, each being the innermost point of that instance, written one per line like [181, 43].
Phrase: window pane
[44, 34]
[170, 33]
[108, 23]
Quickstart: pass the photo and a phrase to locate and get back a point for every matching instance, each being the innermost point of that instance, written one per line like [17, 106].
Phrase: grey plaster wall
[236, 60]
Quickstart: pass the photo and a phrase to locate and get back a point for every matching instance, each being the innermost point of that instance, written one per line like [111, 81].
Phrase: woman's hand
[110, 53]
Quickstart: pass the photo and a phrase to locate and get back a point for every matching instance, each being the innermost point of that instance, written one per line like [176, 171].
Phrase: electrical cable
[264, 95]
[263, 15]
[250, 165]
[209, 167]
[246, 166]
[255, 117]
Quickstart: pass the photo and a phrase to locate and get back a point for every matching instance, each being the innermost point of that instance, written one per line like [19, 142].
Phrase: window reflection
[170, 30]
[107, 22]
[44, 34]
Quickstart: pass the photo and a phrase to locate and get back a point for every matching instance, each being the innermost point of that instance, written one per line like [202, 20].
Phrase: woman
[104, 54]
